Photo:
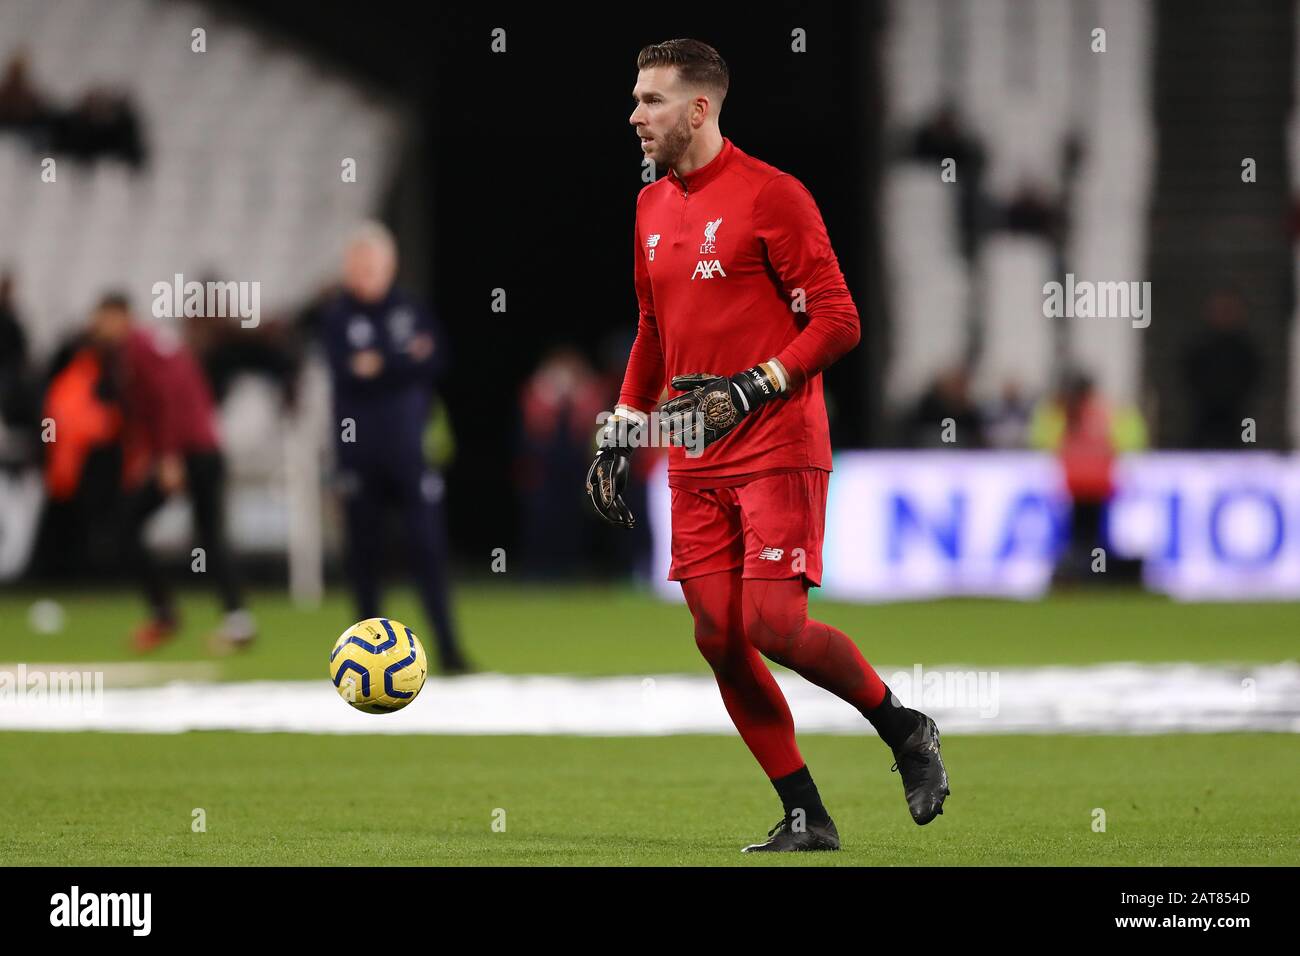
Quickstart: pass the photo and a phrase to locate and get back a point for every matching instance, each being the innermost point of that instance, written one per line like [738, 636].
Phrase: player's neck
[702, 151]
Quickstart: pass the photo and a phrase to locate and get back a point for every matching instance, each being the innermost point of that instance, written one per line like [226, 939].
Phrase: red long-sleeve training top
[733, 267]
[167, 404]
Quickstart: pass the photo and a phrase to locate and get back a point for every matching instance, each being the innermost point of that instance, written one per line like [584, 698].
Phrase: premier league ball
[378, 665]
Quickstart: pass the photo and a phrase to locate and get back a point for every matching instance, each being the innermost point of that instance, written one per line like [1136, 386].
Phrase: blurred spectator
[926, 426]
[23, 109]
[225, 349]
[944, 137]
[76, 402]
[385, 353]
[16, 392]
[13, 341]
[1087, 435]
[560, 402]
[82, 468]
[1030, 211]
[103, 124]
[170, 446]
[1220, 372]
[1006, 421]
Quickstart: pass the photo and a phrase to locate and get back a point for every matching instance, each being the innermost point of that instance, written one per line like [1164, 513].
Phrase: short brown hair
[698, 64]
[114, 299]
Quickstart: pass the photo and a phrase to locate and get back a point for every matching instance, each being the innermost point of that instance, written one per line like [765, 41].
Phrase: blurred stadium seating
[238, 155]
[1023, 84]
[240, 158]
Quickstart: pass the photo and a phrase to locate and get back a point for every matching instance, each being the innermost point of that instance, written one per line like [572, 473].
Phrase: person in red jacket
[170, 446]
[742, 305]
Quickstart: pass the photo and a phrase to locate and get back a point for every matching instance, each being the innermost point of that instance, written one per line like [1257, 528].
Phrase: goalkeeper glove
[608, 474]
[713, 406]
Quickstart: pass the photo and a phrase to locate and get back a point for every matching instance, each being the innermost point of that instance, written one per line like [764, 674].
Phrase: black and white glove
[608, 474]
[713, 406]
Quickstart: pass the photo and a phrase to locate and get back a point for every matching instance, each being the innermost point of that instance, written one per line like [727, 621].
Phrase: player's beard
[676, 142]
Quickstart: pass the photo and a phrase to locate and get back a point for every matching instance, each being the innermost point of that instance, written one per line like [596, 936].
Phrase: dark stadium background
[528, 173]
[519, 172]
[525, 176]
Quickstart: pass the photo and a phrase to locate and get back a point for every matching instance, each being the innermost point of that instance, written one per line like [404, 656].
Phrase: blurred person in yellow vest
[1086, 433]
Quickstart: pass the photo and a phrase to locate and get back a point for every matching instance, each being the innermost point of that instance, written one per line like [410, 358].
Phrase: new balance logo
[707, 269]
[650, 242]
[771, 554]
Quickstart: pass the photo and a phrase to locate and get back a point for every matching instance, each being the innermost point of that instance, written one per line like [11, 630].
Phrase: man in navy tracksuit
[385, 352]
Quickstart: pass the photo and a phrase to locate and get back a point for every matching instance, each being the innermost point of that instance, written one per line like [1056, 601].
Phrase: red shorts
[772, 527]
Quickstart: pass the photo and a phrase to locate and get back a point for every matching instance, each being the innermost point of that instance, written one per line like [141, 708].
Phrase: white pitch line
[123, 673]
[1106, 698]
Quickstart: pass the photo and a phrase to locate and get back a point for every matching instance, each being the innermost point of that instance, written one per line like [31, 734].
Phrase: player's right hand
[608, 474]
[606, 479]
[367, 363]
[171, 474]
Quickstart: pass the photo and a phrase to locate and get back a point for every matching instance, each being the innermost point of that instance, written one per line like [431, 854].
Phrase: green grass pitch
[304, 800]
[594, 631]
[92, 799]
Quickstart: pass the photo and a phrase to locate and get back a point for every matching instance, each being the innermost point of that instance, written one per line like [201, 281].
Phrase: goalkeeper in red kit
[742, 305]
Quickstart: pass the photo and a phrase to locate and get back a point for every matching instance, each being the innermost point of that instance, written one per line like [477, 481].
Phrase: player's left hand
[713, 406]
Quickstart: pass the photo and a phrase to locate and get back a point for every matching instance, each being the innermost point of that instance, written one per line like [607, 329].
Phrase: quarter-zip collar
[693, 182]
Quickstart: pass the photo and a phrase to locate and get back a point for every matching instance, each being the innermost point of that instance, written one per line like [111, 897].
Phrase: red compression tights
[736, 621]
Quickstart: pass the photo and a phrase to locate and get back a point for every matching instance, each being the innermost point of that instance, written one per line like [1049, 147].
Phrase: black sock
[798, 792]
[892, 720]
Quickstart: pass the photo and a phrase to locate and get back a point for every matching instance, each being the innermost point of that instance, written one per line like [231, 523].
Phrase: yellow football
[378, 665]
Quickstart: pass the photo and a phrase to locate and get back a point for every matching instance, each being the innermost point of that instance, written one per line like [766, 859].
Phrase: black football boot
[925, 781]
[783, 838]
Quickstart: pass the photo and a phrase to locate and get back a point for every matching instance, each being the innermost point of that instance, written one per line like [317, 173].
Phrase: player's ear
[700, 107]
